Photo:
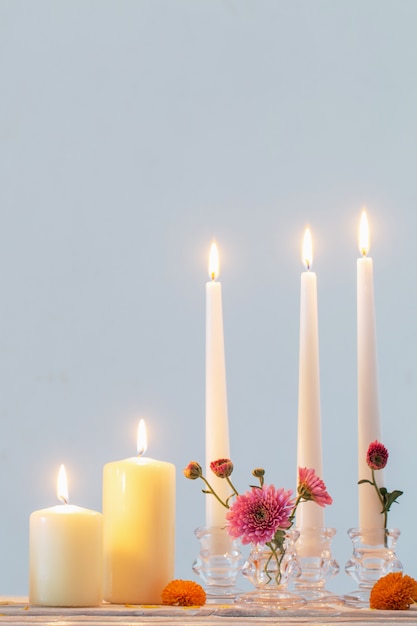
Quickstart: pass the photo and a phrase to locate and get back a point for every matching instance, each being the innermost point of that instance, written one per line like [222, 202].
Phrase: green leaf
[279, 538]
[364, 480]
[390, 498]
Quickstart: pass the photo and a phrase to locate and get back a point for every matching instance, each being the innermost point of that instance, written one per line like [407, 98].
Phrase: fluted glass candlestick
[373, 557]
[317, 565]
[219, 563]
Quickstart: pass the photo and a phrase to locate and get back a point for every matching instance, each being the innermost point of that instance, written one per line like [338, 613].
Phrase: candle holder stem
[218, 563]
[373, 557]
[317, 565]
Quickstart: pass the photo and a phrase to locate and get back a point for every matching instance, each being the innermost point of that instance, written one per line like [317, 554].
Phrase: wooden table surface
[17, 611]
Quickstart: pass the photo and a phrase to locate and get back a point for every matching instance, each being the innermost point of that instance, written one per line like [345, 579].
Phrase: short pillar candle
[139, 527]
[65, 554]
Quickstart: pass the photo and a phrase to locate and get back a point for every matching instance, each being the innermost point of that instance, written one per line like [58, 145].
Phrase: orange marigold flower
[393, 592]
[414, 589]
[184, 593]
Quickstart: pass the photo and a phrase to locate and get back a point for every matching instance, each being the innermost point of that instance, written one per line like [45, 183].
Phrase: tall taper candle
[309, 449]
[369, 425]
[217, 426]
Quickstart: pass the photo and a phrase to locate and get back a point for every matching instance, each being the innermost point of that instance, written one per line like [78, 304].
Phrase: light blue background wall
[131, 134]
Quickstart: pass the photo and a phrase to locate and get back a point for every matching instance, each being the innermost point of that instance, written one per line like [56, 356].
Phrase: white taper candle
[309, 448]
[217, 426]
[369, 425]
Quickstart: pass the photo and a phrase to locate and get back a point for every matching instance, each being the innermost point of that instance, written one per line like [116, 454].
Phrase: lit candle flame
[142, 439]
[62, 487]
[214, 261]
[307, 249]
[364, 234]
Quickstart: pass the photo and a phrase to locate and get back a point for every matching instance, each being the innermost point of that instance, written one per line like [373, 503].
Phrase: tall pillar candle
[138, 527]
[217, 427]
[65, 554]
[309, 448]
[369, 424]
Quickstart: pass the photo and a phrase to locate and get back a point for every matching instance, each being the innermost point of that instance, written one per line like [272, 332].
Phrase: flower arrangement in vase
[374, 549]
[263, 517]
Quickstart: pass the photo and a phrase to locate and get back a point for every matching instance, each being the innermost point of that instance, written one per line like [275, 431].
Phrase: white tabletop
[17, 611]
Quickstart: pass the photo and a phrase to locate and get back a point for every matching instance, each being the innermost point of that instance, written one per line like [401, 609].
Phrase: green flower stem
[274, 554]
[211, 490]
[232, 486]
[380, 497]
[300, 498]
[273, 546]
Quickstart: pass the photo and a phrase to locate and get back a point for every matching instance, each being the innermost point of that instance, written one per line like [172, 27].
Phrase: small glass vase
[317, 565]
[271, 573]
[218, 564]
[373, 557]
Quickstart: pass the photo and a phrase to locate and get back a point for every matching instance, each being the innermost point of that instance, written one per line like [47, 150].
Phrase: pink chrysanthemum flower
[256, 515]
[377, 455]
[311, 487]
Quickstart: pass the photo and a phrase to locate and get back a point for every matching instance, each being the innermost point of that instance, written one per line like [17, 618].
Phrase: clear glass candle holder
[373, 557]
[270, 573]
[317, 565]
[219, 563]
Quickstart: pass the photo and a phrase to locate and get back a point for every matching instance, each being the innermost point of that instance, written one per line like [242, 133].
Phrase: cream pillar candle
[65, 554]
[369, 425]
[217, 427]
[309, 448]
[139, 528]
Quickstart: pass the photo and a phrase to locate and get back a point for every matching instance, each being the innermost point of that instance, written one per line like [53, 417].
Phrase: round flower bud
[377, 456]
[193, 470]
[222, 468]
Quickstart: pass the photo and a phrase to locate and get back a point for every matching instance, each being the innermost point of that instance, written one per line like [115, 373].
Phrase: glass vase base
[216, 594]
[319, 597]
[272, 598]
[358, 599]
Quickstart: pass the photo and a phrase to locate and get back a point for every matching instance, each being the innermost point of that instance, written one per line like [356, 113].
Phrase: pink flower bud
[222, 468]
[377, 455]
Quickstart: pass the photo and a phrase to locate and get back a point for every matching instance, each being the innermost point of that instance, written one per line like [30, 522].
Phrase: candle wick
[363, 251]
[213, 276]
